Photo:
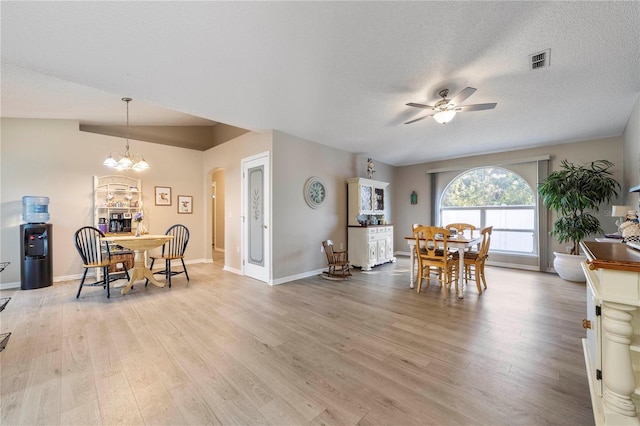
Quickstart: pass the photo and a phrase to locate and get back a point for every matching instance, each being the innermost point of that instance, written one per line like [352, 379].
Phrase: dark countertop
[369, 226]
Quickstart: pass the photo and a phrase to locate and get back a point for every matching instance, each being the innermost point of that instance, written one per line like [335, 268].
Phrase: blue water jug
[35, 209]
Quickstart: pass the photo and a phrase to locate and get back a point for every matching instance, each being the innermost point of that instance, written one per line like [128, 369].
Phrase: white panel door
[256, 258]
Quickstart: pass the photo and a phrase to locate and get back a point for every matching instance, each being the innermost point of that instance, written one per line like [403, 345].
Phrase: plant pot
[568, 266]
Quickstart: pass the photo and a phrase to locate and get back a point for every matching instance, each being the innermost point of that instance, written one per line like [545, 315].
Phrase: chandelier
[127, 160]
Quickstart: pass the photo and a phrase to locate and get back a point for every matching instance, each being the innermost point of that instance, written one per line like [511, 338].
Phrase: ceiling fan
[445, 109]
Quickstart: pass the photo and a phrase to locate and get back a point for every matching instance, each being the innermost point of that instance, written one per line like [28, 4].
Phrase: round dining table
[139, 245]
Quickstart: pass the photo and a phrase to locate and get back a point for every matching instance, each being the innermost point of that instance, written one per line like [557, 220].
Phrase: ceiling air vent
[540, 59]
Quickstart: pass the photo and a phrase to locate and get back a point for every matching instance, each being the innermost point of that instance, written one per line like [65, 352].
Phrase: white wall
[53, 158]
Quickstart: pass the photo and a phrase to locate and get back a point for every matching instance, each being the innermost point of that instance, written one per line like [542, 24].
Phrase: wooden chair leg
[484, 281]
[444, 283]
[477, 275]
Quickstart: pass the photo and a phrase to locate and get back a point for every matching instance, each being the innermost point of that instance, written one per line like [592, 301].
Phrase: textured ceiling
[337, 73]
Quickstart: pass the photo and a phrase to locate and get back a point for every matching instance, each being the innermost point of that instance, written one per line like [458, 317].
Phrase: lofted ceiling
[336, 73]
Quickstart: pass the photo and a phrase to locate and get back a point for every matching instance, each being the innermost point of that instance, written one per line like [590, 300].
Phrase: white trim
[297, 276]
[91, 274]
[260, 273]
[10, 286]
[232, 270]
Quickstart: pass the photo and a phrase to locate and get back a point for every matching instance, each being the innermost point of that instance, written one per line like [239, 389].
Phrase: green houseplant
[574, 192]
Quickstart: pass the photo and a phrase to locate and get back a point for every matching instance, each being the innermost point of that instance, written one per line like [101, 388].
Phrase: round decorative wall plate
[315, 192]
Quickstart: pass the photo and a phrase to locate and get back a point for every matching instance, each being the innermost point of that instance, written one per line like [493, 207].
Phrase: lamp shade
[620, 211]
[110, 162]
[140, 165]
[443, 117]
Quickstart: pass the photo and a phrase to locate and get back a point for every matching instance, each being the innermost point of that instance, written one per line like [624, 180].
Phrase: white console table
[612, 345]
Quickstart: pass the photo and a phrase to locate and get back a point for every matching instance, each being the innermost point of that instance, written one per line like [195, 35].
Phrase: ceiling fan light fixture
[443, 117]
[445, 109]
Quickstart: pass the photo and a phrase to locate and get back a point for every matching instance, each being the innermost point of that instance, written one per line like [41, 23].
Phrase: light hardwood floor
[229, 350]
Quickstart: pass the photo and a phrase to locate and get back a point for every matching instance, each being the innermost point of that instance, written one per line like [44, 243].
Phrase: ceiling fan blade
[462, 96]
[418, 119]
[411, 104]
[476, 107]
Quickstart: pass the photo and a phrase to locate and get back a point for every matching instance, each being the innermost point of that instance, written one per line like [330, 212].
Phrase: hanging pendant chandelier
[127, 160]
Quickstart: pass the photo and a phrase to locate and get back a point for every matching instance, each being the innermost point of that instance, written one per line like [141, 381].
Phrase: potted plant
[574, 192]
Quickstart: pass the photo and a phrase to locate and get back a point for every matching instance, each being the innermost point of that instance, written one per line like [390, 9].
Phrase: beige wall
[53, 158]
[227, 157]
[414, 177]
[298, 230]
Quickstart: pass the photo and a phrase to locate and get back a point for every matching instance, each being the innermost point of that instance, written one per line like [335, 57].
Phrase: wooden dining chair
[96, 254]
[431, 251]
[474, 261]
[337, 261]
[172, 250]
[413, 228]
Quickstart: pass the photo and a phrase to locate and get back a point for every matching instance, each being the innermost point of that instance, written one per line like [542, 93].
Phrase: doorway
[218, 215]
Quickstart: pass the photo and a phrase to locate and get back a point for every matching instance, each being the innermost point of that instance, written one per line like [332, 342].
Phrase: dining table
[139, 245]
[459, 242]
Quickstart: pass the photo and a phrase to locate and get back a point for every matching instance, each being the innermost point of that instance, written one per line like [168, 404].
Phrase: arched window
[493, 196]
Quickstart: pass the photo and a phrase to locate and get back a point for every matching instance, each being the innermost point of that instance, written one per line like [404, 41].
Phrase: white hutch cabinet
[115, 200]
[368, 245]
[366, 197]
[612, 345]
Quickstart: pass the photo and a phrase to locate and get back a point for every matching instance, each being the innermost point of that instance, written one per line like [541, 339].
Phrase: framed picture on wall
[163, 196]
[185, 204]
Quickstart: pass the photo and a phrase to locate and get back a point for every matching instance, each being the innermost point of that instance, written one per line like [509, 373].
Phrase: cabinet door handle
[586, 323]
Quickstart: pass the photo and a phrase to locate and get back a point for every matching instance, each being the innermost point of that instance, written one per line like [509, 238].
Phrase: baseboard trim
[290, 278]
[17, 284]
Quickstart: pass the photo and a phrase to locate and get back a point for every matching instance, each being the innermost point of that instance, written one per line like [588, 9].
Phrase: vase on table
[137, 229]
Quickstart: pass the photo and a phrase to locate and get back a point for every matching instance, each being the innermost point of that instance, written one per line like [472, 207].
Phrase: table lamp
[620, 212]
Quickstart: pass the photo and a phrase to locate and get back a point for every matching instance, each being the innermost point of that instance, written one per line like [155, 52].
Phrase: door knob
[586, 324]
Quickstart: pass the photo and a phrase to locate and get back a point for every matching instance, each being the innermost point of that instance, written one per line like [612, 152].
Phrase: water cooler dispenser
[36, 265]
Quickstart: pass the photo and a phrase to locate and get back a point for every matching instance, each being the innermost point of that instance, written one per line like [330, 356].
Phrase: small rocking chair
[338, 262]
